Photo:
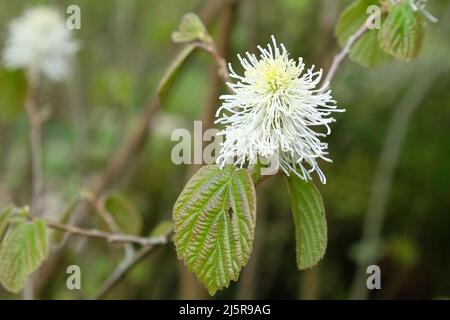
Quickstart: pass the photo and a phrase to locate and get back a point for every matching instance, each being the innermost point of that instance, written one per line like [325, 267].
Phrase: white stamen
[274, 111]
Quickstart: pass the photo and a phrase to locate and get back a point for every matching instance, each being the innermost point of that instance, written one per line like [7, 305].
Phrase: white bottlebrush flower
[275, 111]
[39, 42]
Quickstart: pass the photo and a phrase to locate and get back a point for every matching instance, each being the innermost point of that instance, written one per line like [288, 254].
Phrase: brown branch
[134, 145]
[35, 121]
[220, 62]
[127, 265]
[108, 236]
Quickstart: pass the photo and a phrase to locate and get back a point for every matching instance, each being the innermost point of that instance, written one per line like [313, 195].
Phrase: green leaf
[215, 219]
[162, 228]
[191, 28]
[124, 214]
[170, 75]
[5, 216]
[367, 50]
[402, 33]
[309, 220]
[22, 252]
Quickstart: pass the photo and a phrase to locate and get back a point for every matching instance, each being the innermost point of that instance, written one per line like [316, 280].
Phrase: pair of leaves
[191, 28]
[400, 36]
[215, 219]
[21, 253]
[366, 51]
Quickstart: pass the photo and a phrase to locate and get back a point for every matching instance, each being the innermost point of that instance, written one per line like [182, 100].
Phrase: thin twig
[221, 63]
[108, 236]
[35, 123]
[126, 266]
[341, 56]
[99, 207]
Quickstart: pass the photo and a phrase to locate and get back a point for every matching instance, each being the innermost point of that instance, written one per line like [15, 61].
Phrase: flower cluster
[40, 42]
[274, 111]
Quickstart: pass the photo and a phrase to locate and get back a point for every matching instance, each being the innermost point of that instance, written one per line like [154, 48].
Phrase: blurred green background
[126, 46]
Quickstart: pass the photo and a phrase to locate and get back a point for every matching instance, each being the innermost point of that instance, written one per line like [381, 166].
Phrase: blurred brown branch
[108, 236]
[36, 119]
[127, 265]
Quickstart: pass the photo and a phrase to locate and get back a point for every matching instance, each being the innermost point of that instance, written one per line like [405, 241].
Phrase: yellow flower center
[274, 75]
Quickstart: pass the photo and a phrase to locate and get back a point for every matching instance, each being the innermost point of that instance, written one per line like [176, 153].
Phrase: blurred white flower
[274, 112]
[39, 42]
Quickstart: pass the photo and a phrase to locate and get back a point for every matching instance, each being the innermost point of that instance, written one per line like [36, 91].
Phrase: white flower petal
[40, 41]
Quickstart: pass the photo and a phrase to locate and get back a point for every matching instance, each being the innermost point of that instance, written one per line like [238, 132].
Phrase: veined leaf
[23, 251]
[215, 219]
[170, 75]
[124, 214]
[402, 33]
[191, 28]
[366, 51]
[309, 220]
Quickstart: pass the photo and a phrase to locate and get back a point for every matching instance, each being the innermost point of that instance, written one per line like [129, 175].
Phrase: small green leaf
[367, 50]
[22, 252]
[402, 33]
[309, 220]
[215, 219]
[162, 228]
[5, 216]
[124, 214]
[191, 28]
[170, 75]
